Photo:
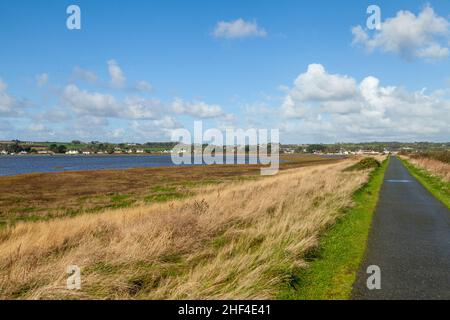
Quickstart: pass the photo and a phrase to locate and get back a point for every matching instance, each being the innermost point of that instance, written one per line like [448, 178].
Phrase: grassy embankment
[433, 174]
[240, 240]
[334, 264]
[34, 197]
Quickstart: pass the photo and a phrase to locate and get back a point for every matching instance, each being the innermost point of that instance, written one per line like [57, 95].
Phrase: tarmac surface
[409, 241]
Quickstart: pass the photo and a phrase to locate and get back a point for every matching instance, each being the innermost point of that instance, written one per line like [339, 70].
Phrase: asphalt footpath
[409, 243]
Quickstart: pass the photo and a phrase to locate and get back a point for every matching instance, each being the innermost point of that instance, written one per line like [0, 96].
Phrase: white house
[72, 152]
[45, 152]
[182, 150]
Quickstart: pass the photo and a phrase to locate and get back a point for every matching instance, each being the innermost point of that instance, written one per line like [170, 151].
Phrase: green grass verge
[437, 187]
[333, 266]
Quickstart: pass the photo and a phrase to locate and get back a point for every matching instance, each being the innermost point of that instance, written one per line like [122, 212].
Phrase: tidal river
[14, 165]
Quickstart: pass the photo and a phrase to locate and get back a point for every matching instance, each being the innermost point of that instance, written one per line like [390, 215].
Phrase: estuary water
[14, 165]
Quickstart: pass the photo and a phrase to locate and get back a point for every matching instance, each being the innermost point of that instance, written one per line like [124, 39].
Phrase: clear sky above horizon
[136, 70]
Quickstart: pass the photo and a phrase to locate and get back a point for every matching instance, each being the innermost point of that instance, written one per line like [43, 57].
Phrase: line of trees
[16, 148]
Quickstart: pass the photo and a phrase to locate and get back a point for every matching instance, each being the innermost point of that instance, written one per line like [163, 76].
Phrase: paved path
[409, 241]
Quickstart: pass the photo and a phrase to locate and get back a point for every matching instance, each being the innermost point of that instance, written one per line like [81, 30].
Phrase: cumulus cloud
[198, 109]
[83, 102]
[42, 79]
[238, 29]
[140, 108]
[317, 84]
[367, 111]
[423, 36]
[91, 103]
[117, 77]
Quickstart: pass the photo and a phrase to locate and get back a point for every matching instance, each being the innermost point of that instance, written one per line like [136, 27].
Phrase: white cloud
[433, 52]
[369, 112]
[98, 104]
[140, 108]
[117, 77]
[42, 79]
[84, 102]
[198, 109]
[423, 36]
[238, 29]
[317, 84]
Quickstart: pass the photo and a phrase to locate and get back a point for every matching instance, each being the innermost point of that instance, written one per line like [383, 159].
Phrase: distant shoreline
[111, 155]
[85, 155]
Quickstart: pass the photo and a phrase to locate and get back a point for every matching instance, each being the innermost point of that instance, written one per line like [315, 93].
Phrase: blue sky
[138, 69]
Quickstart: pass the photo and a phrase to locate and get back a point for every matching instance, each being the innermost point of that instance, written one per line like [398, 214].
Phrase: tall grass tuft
[237, 240]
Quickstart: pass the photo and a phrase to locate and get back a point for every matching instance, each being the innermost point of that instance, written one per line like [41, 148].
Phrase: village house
[45, 152]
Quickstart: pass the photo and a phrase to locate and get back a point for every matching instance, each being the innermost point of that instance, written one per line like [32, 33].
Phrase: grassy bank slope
[333, 266]
[240, 240]
[434, 183]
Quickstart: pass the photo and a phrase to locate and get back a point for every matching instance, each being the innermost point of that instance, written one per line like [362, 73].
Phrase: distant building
[182, 150]
[45, 152]
[140, 151]
[71, 152]
[86, 153]
[368, 152]
[3, 152]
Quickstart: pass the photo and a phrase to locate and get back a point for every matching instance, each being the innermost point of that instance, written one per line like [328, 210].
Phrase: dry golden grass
[45, 195]
[435, 167]
[239, 240]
